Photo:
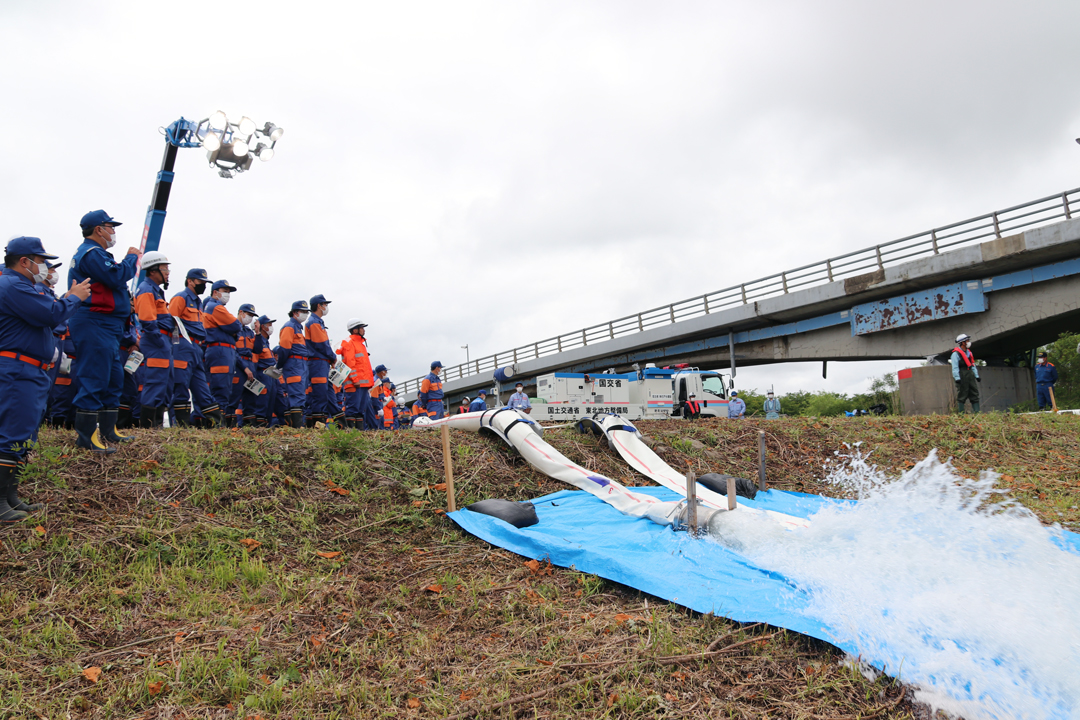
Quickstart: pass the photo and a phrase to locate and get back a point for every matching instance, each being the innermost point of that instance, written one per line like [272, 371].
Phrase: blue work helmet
[97, 217]
[222, 285]
[27, 246]
[381, 368]
[300, 306]
[482, 392]
[318, 300]
[263, 320]
[436, 364]
[53, 266]
[734, 393]
[197, 274]
[248, 308]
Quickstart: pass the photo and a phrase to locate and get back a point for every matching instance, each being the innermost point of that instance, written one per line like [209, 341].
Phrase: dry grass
[188, 569]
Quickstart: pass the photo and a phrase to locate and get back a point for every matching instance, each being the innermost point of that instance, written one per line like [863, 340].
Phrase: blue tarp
[580, 531]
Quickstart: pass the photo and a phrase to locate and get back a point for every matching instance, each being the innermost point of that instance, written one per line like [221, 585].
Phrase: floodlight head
[274, 132]
[219, 121]
[239, 148]
[264, 152]
[212, 141]
[246, 125]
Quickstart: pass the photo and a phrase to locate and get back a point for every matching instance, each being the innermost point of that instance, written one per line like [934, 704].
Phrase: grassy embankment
[281, 574]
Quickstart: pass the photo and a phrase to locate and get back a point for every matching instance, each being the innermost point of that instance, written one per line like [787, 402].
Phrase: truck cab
[708, 387]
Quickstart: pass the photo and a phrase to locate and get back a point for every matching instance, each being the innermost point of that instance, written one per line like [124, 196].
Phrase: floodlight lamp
[265, 152]
[212, 141]
[219, 121]
[239, 148]
[273, 132]
[247, 126]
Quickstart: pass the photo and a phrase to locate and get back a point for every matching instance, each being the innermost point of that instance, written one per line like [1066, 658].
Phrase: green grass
[192, 559]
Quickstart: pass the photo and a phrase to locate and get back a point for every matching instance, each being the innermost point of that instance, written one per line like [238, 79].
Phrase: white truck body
[650, 394]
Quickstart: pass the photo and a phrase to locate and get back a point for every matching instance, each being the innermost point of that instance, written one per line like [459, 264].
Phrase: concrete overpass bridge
[1010, 279]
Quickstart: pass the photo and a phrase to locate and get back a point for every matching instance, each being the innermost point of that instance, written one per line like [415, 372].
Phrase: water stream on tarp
[944, 582]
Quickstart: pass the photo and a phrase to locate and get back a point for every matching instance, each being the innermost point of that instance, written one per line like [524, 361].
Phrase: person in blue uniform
[222, 327]
[27, 352]
[191, 390]
[480, 403]
[242, 402]
[772, 407]
[96, 328]
[1046, 376]
[431, 392]
[736, 408]
[292, 361]
[373, 412]
[263, 356]
[322, 407]
[61, 383]
[159, 333]
[132, 388]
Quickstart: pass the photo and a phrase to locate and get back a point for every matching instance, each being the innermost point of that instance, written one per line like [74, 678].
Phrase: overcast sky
[533, 152]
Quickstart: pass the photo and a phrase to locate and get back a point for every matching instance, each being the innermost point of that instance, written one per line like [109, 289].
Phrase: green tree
[828, 404]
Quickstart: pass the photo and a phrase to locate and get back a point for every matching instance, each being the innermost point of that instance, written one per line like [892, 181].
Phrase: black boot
[148, 416]
[107, 420]
[123, 417]
[249, 421]
[88, 436]
[213, 416]
[8, 514]
[182, 413]
[13, 498]
[159, 416]
[230, 420]
[295, 418]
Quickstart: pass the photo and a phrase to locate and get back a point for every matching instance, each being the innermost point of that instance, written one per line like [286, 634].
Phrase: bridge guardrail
[1000, 223]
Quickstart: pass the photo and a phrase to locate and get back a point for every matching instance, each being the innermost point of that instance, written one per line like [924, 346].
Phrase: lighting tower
[230, 147]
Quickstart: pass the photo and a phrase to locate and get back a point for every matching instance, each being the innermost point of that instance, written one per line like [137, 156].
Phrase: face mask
[224, 298]
[302, 317]
[249, 319]
[326, 311]
[52, 279]
[200, 288]
[41, 271]
[110, 239]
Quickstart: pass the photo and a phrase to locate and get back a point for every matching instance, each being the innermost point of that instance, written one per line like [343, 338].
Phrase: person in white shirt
[519, 400]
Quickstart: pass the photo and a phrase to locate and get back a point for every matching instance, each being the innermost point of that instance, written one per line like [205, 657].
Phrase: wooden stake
[730, 493]
[691, 503]
[448, 465]
[1053, 401]
[761, 461]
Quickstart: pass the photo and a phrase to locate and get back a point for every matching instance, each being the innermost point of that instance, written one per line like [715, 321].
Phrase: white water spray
[944, 581]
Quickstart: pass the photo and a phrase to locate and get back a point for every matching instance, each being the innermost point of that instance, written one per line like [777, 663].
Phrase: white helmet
[353, 323]
[151, 259]
[962, 337]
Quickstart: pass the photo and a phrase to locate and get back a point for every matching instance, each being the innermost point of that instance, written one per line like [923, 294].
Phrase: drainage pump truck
[650, 393]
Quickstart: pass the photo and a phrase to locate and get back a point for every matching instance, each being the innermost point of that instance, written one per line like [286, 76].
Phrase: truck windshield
[714, 384]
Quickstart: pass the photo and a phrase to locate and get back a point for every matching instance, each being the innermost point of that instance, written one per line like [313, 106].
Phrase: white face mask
[52, 279]
[248, 320]
[302, 317]
[41, 271]
[223, 297]
[326, 311]
[110, 238]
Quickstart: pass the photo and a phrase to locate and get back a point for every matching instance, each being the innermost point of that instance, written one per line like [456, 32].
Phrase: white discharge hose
[524, 434]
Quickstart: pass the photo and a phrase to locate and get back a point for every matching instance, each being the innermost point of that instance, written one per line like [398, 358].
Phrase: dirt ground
[288, 574]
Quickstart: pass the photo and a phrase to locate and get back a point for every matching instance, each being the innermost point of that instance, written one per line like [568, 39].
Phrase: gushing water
[945, 582]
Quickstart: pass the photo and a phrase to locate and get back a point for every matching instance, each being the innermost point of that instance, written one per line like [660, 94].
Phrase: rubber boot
[13, 498]
[212, 415]
[88, 436]
[148, 416]
[182, 413]
[230, 421]
[8, 514]
[974, 407]
[295, 418]
[249, 421]
[123, 417]
[107, 422]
